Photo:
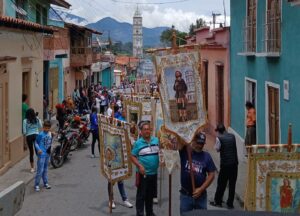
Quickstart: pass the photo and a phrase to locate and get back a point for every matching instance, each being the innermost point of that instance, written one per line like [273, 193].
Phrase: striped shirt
[147, 154]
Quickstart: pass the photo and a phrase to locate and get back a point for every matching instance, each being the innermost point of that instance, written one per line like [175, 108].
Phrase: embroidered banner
[115, 149]
[273, 182]
[181, 93]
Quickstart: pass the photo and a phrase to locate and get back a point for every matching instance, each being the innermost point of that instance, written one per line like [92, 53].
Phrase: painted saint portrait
[181, 93]
[284, 194]
[113, 150]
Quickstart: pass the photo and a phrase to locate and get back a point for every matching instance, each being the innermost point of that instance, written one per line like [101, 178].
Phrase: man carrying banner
[193, 193]
[145, 157]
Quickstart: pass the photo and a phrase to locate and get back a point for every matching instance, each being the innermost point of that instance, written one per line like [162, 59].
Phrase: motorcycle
[67, 141]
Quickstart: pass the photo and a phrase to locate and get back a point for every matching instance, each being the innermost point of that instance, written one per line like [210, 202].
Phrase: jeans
[145, 194]
[188, 203]
[42, 170]
[121, 190]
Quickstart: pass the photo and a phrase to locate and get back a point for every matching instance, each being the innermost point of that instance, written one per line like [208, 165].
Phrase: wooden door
[205, 64]
[220, 94]
[273, 114]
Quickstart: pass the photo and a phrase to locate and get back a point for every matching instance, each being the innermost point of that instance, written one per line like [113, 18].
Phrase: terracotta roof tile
[11, 22]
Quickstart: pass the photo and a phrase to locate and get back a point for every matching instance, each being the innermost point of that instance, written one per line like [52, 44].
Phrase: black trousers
[145, 194]
[228, 174]
[30, 142]
[95, 137]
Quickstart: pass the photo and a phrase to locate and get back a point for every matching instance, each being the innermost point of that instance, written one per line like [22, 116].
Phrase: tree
[166, 37]
[199, 23]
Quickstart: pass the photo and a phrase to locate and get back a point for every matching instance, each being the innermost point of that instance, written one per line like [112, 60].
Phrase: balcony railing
[273, 32]
[56, 43]
[81, 56]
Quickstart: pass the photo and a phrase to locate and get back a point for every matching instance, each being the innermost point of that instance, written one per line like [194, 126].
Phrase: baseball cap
[200, 138]
[220, 128]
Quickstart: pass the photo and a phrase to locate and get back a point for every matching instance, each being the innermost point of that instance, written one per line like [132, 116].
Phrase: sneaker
[47, 186]
[128, 204]
[113, 206]
[155, 200]
[32, 170]
[213, 203]
[92, 156]
[37, 188]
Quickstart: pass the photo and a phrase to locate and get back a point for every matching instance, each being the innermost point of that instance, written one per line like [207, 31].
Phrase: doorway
[220, 94]
[273, 114]
[4, 145]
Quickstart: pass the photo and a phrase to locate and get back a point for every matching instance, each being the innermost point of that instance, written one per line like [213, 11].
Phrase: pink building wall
[215, 51]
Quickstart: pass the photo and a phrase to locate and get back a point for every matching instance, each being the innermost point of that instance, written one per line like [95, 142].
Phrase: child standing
[43, 148]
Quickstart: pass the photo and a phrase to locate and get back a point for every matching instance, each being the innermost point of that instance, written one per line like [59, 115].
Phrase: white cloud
[182, 16]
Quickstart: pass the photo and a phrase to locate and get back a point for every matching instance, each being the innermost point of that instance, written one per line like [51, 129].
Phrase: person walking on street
[226, 145]
[203, 173]
[145, 156]
[31, 126]
[95, 131]
[43, 148]
[250, 138]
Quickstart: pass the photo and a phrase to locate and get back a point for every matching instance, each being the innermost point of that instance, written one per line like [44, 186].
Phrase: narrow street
[78, 188]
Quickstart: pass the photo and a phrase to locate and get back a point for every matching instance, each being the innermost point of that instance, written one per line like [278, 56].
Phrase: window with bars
[250, 27]
[273, 27]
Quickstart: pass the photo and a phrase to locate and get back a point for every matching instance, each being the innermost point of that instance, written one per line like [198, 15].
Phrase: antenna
[215, 15]
[224, 13]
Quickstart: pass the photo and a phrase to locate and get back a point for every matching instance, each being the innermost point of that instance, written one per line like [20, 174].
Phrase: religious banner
[169, 148]
[273, 181]
[133, 111]
[142, 87]
[181, 93]
[115, 149]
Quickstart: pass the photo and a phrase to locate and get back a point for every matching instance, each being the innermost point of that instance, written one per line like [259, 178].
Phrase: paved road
[79, 189]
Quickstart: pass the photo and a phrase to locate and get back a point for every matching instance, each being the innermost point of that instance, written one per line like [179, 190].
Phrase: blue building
[265, 68]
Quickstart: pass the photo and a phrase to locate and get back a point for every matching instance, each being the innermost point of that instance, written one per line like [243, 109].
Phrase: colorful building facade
[265, 68]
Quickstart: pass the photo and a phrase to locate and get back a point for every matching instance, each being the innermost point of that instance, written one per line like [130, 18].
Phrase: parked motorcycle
[67, 141]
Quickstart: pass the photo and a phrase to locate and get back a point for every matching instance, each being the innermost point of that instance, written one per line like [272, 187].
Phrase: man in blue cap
[203, 174]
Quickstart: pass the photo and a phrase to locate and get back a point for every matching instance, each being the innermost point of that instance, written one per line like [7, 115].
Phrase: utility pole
[215, 15]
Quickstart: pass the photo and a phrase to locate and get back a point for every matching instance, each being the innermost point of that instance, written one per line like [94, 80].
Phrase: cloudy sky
[180, 14]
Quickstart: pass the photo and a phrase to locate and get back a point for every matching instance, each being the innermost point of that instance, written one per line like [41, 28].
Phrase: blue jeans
[188, 203]
[42, 170]
[121, 190]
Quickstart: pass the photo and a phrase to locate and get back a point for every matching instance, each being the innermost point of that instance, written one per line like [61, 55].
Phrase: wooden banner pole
[170, 194]
[189, 152]
[111, 191]
[160, 185]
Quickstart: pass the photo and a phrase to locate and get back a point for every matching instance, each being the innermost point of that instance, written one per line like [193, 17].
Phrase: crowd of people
[145, 153]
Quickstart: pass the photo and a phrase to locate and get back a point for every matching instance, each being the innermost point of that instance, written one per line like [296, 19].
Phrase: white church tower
[137, 41]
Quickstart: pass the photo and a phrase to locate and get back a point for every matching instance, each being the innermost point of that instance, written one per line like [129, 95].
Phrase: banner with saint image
[181, 93]
[115, 149]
